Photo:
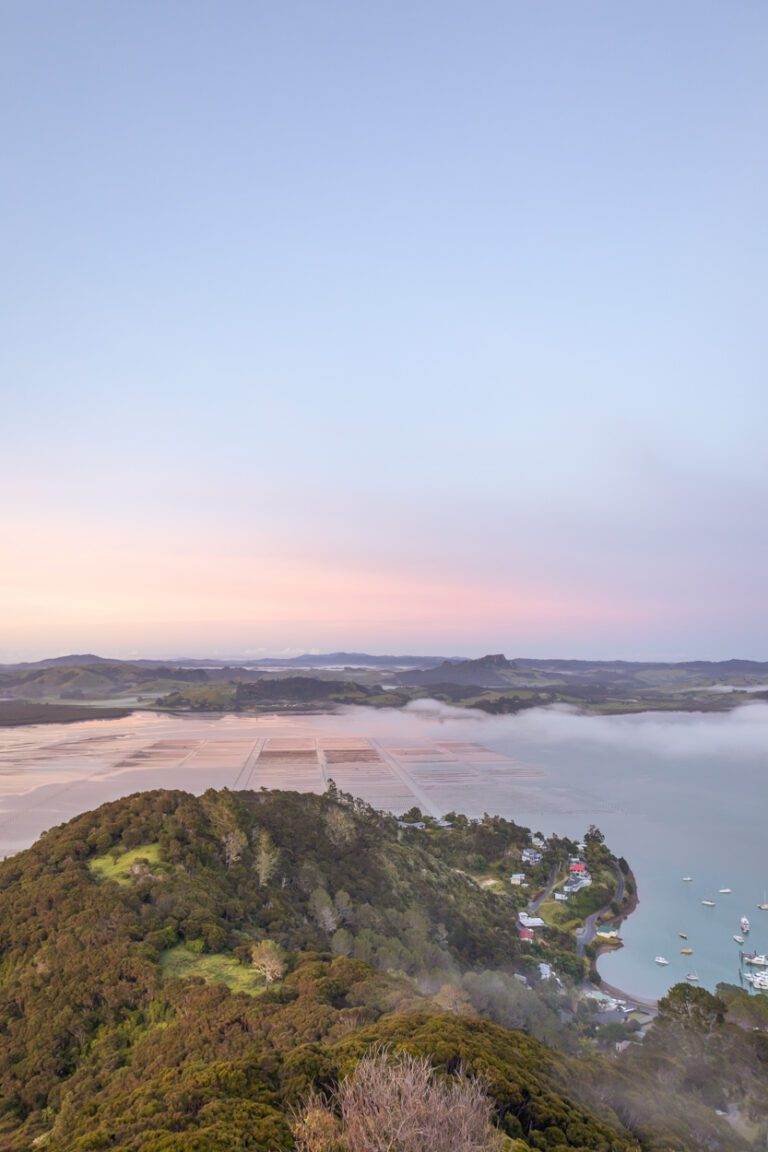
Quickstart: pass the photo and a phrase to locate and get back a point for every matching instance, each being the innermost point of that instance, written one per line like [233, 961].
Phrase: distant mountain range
[307, 660]
[496, 671]
[523, 682]
[450, 664]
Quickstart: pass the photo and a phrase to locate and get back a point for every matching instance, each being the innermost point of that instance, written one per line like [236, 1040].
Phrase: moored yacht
[661, 960]
[744, 924]
[756, 959]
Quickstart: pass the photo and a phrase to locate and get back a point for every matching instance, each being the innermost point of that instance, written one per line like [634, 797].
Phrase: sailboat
[744, 924]
[764, 906]
[661, 960]
[708, 903]
[724, 891]
[692, 976]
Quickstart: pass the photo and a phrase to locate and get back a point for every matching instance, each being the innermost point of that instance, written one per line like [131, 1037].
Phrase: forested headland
[223, 972]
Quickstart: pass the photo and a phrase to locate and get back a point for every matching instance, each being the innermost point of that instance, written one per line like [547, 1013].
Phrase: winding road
[586, 934]
[535, 904]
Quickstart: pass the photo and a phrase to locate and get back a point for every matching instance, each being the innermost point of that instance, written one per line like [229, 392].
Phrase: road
[586, 934]
[535, 904]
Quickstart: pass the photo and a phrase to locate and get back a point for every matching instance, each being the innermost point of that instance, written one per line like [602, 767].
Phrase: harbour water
[676, 794]
[685, 795]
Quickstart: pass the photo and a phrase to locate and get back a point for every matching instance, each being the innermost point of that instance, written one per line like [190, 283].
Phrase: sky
[428, 327]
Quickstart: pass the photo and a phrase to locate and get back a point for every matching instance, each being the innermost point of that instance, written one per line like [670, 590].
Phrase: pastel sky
[424, 326]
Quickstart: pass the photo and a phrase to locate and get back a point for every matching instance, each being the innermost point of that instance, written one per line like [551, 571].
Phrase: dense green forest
[181, 974]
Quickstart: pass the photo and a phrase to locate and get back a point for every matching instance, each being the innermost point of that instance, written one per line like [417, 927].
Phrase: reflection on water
[679, 794]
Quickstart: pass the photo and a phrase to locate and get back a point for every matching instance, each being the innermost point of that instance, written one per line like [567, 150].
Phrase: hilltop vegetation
[178, 973]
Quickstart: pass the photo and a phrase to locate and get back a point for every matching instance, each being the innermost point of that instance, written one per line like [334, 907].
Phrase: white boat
[739, 939]
[759, 980]
[724, 891]
[764, 906]
[661, 960]
[708, 903]
[692, 976]
[744, 924]
[687, 879]
[757, 960]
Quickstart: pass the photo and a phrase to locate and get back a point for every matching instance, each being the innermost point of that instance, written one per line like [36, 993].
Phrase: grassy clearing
[117, 866]
[213, 967]
[558, 915]
[571, 915]
[492, 883]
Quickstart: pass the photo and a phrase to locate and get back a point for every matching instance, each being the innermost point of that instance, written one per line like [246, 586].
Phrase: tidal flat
[676, 794]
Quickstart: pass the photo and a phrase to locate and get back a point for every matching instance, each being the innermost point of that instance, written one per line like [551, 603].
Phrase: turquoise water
[684, 796]
[677, 794]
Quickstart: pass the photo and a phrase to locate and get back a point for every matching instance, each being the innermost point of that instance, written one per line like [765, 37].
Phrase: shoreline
[107, 710]
[620, 994]
[595, 980]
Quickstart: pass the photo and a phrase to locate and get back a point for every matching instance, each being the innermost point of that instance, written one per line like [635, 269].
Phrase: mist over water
[676, 794]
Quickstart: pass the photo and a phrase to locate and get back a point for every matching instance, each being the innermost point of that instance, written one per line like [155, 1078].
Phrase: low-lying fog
[676, 793]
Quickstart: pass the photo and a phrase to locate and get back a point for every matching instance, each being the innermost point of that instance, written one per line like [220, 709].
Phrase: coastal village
[608, 1009]
[575, 894]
